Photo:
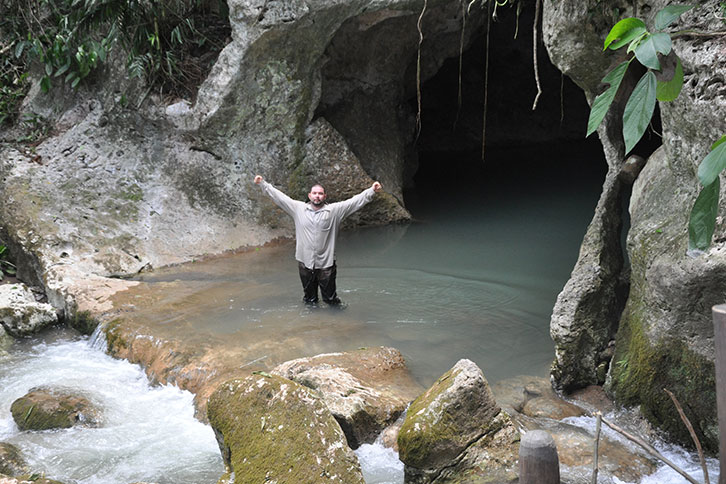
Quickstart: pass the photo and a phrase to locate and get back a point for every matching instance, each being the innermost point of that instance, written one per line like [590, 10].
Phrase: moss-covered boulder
[456, 429]
[11, 461]
[51, 408]
[366, 390]
[271, 429]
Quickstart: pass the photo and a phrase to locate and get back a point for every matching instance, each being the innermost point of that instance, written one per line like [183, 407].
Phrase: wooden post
[538, 460]
[719, 341]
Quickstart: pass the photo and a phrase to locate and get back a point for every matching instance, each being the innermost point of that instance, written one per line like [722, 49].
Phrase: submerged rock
[49, 408]
[456, 431]
[533, 405]
[21, 314]
[11, 460]
[271, 429]
[366, 390]
[27, 479]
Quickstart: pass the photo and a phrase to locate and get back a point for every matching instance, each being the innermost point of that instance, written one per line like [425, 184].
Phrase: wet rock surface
[53, 408]
[366, 390]
[12, 462]
[533, 405]
[273, 429]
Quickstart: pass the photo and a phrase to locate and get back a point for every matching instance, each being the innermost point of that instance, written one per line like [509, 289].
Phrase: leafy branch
[662, 81]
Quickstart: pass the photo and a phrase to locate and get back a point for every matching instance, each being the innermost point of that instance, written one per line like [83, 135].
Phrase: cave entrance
[543, 150]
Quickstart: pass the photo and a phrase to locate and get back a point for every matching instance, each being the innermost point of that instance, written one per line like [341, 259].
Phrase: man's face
[317, 195]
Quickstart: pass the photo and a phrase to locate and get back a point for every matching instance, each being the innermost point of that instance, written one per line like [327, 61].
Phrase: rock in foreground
[48, 408]
[271, 429]
[366, 390]
[456, 432]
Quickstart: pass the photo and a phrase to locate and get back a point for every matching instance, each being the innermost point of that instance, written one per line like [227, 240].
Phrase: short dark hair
[317, 185]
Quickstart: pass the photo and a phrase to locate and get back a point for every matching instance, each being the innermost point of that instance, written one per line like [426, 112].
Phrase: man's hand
[258, 180]
[377, 187]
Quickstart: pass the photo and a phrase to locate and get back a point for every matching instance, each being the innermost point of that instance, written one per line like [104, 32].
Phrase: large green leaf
[703, 217]
[623, 32]
[648, 50]
[602, 103]
[669, 14]
[669, 90]
[714, 163]
[639, 110]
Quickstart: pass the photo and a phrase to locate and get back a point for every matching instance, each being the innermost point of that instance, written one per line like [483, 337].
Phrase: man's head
[317, 195]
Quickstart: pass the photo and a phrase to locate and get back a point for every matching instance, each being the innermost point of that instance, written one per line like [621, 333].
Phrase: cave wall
[664, 336]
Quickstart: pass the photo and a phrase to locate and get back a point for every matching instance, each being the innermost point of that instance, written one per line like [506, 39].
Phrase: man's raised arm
[281, 200]
[357, 202]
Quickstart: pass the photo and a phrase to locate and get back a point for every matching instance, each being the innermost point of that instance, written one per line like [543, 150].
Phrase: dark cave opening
[523, 147]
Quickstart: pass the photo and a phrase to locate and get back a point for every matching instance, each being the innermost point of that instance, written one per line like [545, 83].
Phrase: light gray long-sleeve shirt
[316, 230]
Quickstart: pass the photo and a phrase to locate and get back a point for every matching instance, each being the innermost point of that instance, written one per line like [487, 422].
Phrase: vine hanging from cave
[492, 6]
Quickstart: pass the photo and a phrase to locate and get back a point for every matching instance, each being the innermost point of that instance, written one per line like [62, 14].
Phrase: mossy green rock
[458, 410]
[271, 429]
[11, 461]
[46, 409]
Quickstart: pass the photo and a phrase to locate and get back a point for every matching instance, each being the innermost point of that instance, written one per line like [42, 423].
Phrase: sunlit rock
[366, 390]
[21, 314]
[456, 430]
[271, 429]
[53, 408]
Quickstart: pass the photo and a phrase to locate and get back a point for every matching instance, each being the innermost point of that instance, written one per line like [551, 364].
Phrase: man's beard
[317, 203]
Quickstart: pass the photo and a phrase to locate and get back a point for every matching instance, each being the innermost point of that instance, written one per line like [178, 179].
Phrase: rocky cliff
[664, 337]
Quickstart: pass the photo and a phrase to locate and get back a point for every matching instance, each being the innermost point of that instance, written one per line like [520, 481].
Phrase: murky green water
[475, 276]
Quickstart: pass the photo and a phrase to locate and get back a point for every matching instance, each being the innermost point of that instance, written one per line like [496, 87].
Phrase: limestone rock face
[273, 429]
[666, 322]
[366, 390]
[11, 461]
[456, 429]
[48, 408]
[303, 91]
[21, 314]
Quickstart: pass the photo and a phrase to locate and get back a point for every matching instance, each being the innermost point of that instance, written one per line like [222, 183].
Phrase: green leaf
[19, 49]
[62, 69]
[623, 32]
[714, 163]
[75, 82]
[648, 50]
[48, 69]
[639, 110]
[45, 84]
[602, 102]
[669, 14]
[703, 217]
[668, 91]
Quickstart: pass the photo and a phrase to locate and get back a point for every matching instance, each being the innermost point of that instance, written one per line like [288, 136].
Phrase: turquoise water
[475, 275]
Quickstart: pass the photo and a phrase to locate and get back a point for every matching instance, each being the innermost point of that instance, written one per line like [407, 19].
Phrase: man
[316, 228]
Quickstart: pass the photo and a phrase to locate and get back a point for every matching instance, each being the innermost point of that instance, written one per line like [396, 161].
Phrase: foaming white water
[380, 465]
[685, 460]
[147, 433]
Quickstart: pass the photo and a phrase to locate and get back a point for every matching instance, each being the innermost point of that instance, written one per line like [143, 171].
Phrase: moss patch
[271, 429]
[642, 370]
[83, 322]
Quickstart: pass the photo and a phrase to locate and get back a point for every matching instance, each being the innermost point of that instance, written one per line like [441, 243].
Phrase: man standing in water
[316, 228]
